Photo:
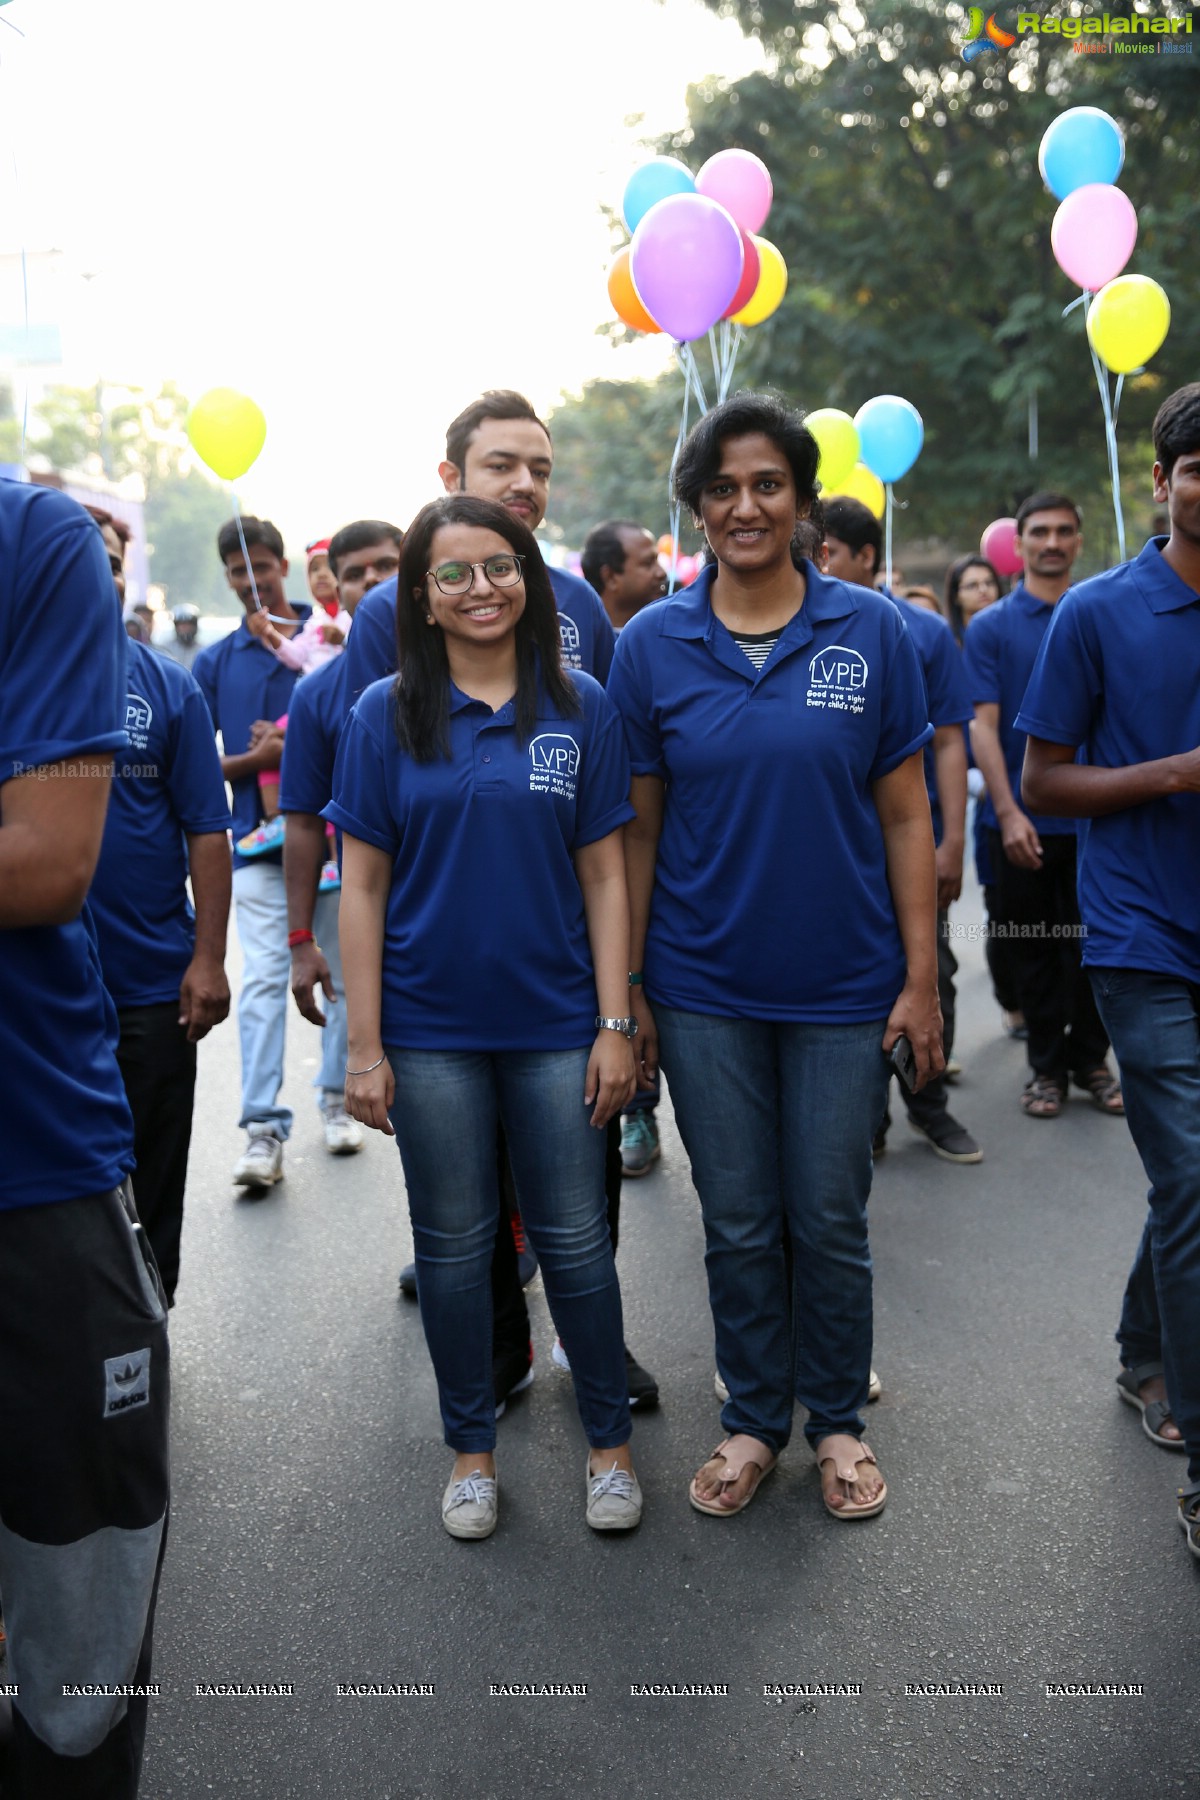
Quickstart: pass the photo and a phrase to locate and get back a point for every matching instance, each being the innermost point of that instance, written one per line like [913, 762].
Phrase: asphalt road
[1029, 1538]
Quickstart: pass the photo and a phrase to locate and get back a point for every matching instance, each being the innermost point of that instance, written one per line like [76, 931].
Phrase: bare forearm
[908, 846]
[641, 860]
[303, 854]
[236, 768]
[211, 868]
[606, 905]
[51, 828]
[1080, 791]
[985, 742]
[950, 777]
[360, 931]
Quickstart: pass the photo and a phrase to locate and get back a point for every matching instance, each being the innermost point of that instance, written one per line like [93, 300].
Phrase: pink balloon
[1093, 234]
[741, 183]
[999, 545]
[751, 270]
[686, 262]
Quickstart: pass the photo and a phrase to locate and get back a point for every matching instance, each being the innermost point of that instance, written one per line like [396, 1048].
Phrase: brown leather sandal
[1104, 1089]
[1043, 1097]
[739, 1453]
[846, 1453]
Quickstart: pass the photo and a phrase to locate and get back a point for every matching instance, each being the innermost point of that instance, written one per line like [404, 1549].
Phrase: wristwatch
[627, 1027]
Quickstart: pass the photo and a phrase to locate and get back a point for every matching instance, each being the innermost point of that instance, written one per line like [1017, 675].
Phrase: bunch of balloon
[890, 433]
[227, 431]
[1092, 236]
[695, 266]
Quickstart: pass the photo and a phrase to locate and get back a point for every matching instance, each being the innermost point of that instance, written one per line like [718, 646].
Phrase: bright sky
[361, 215]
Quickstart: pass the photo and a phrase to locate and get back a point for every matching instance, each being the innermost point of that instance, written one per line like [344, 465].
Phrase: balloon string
[675, 507]
[1110, 438]
[1080, 300]
[887, 551]
[26, 350]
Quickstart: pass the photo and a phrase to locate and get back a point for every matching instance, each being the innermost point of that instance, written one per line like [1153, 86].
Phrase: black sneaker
[408, 1281]
[512, 1372]
[879, 1141]
[948, 1139]
[643, 1389]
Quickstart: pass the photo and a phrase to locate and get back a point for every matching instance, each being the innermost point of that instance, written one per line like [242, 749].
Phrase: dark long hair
[422, 690]
[954, 575]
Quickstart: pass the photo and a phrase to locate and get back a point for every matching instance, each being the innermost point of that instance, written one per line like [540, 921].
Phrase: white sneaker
[343, 1135]
[261, 1163]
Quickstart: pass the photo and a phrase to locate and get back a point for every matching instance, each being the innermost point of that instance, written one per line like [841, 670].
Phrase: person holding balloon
[781, 872]
[1116, 676]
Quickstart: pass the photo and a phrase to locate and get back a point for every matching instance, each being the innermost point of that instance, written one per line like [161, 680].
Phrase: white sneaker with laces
[469, 1508]
[343, 1135]
[261, 1163]
[614, 1499]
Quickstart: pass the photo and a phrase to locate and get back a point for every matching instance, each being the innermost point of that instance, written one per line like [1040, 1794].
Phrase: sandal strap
[754, 1454]
[841, 1448]
[1147, 1371]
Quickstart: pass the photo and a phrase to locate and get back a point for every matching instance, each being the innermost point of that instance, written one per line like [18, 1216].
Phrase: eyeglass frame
[457, 593]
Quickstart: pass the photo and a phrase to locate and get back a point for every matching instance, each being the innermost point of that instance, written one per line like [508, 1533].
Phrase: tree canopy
[916, 229]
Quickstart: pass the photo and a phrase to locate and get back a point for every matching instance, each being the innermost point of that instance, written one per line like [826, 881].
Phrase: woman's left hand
[611, 1076]
[918, 1015]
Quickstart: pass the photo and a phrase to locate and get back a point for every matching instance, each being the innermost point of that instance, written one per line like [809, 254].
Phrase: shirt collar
[690, 614]
[1157, 582]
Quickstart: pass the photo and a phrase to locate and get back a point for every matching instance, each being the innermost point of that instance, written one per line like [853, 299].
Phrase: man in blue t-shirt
[854, 546]
[1033, 855]
[248, 691]
[84, 1369]
[360, 556]
[163, 958]
[1118, 676]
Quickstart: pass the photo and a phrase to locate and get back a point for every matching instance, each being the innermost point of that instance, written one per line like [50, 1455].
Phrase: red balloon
[751, 268]
[999, 545]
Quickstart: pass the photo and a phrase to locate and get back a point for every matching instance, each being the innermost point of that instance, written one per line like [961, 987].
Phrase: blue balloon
[890, 435]
[1082, 145]
[661, 176]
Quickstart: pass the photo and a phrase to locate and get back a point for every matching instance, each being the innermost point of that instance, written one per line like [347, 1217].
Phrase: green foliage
[612, 456]
[10, 425]
[916, 229]
[183, 515]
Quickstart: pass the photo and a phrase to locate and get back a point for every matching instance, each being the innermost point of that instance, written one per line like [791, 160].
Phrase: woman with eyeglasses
[481, 795]
[971, 584]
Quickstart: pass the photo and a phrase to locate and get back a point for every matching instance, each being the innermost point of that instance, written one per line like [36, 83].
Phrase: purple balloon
[686, 261]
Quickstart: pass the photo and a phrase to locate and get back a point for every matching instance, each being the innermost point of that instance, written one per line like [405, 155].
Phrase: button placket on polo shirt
[486, 748]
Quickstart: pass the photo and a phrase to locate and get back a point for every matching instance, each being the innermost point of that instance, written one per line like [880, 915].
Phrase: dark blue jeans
[445, 1113]
[1154, 1024]
[777, 1120]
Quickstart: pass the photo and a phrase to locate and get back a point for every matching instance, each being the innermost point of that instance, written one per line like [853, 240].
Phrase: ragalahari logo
[982, 34]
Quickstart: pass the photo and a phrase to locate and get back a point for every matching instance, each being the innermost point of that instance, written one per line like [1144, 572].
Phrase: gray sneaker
[640, 1147]
[614, 1499]
[469, 1506]
[261, 1163]
[343, 1135]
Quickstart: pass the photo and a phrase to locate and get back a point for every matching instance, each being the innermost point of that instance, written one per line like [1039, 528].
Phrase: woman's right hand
[369, 1097]
[645, 1044]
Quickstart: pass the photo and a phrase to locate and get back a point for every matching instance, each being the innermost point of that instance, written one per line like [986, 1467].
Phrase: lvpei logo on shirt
[554, 757]
[139, 716]
[837, 679]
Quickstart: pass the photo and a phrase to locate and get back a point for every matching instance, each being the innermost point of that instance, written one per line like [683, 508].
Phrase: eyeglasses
[455, 578]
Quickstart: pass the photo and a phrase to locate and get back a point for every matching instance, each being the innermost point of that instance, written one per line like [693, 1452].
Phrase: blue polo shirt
[584, 627]
[242, 682]
[65, 1124]
[946, 688]
[1119, 674]
[167, 782]
[999, 651]
[316, 717]
[771, 898]
[486, 944]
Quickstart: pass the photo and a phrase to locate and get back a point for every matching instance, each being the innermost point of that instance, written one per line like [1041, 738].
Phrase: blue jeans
[777, 1120]
[444, 1115]
[1154, 1024]
[266, 997]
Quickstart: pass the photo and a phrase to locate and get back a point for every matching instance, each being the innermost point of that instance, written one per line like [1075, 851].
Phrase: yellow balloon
[1127, 322]
[772, 286]
[837, 440]
[862, 485]
[227, 431]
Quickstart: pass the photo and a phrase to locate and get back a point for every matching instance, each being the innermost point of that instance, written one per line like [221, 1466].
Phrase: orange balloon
[626, 301]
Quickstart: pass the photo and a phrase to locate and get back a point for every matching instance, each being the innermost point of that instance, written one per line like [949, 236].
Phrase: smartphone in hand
[904, 1062]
